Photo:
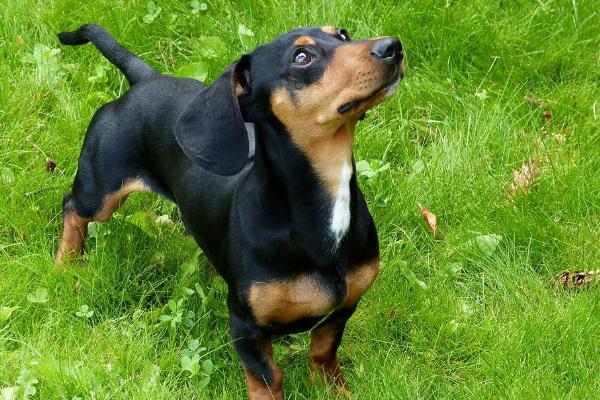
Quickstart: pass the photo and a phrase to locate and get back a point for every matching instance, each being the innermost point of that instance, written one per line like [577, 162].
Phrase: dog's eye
[302, 57]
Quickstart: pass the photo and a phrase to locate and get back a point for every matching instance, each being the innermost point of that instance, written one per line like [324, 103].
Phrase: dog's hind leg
[75, 222]
[110, 168]
[73, 234]
[77, 215]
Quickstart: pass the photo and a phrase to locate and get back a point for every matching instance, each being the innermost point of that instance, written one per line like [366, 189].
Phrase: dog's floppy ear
[211, 129]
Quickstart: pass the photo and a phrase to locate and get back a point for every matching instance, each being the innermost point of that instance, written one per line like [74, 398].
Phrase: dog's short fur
[261, 167]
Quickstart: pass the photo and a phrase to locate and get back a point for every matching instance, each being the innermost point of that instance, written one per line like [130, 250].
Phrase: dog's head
[316, 82]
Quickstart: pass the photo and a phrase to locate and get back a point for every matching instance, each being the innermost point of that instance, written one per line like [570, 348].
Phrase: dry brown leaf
[430, 219]
[50, 165]
[523, 179]
[575, 279]
[548, 116]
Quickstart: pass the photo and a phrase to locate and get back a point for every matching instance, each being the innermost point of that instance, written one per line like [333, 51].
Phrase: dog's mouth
[383, 92]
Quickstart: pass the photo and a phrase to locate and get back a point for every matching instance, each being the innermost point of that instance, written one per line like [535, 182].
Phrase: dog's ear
[211, 129]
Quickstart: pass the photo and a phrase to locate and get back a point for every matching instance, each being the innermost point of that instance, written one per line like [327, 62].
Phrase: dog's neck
[313, 179]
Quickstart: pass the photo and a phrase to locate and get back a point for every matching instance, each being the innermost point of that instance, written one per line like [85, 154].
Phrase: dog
[260, 164]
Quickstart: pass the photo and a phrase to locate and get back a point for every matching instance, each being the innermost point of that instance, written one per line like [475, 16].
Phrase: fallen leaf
[430, 219]
[548, 116]
[523, 179]
[575, 279]
[50, 165]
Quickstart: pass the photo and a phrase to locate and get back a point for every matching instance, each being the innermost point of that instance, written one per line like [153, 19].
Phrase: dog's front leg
[325, 340]
[253, 347]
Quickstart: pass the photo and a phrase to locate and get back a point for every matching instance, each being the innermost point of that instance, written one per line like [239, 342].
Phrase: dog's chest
[309, 296]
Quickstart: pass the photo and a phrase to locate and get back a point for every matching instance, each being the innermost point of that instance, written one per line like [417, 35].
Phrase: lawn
[496, 130]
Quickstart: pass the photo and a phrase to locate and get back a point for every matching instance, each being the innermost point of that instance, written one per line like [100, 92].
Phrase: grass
[469, 313]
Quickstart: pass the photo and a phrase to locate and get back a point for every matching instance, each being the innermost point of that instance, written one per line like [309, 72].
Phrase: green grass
[445, 319]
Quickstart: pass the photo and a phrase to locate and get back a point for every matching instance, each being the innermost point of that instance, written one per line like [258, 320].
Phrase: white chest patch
[340, 215]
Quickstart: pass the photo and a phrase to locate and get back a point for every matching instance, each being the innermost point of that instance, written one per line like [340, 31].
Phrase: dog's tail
[131, 65]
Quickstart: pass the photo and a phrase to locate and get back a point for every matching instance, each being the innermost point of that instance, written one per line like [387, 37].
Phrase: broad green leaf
[363, 169]
[244, 30]
[211, 46]
[200, 291]
[144, 221]
[190, 266]
[486, 244]
[48, 66]
[153, 12]
[189, 319]
[204, 382]
[482, 95]
[208, 366]
[9, 393]
[26, 385]
[5, 312]
[192, 365]
[39, 296]
[362, 165]
[197, 6]
[7, 175]
[193, 344]
[384, 167]
[198, 71]
[98, 229]
[68, 372]
[100, 74]
[417, 167]
[84, 311]
[151, 7]
[245, 34]
[163, 220]
[150, 376]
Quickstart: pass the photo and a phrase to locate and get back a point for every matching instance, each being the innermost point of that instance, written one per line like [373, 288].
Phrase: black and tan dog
[261, 167]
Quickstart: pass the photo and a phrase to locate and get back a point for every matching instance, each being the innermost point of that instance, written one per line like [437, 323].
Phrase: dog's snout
[388, 50]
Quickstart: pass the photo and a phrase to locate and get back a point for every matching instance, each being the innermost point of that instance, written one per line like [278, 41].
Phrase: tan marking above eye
[304, 41]
[330, 30]
[285, 302]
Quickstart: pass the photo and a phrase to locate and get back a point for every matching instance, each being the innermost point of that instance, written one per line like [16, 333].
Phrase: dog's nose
[388, 50]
